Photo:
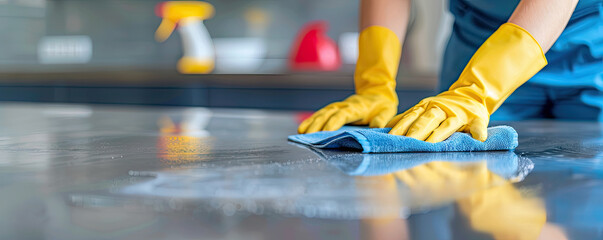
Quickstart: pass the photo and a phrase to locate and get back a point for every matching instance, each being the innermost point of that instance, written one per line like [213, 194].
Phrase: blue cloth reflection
[506, 164]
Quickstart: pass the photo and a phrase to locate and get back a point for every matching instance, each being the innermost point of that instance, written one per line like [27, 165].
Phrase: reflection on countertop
[94, 172]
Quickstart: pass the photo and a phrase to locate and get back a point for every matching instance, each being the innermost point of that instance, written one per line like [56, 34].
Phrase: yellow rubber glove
[509, 58]
[375, 101]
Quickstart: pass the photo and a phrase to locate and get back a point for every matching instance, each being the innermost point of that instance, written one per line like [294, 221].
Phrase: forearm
[543, 19]
[392, 14]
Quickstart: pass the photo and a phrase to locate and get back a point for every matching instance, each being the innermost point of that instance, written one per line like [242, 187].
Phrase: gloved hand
[509, 58]
[375, 101]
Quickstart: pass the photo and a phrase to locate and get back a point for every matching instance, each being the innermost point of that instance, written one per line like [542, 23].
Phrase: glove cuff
[508, 58]
[378, 59]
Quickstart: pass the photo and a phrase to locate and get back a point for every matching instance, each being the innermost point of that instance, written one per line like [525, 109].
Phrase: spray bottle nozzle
[172, 12]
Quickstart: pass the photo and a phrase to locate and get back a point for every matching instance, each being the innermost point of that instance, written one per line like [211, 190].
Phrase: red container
[313, 50]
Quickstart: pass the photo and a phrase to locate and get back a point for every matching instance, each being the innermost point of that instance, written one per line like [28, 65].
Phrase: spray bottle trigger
[164, 30]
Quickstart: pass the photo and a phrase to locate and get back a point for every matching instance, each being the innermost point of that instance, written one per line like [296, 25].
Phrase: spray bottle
[188, 16]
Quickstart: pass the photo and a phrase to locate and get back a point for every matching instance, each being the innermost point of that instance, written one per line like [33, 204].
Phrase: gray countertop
[116, 172]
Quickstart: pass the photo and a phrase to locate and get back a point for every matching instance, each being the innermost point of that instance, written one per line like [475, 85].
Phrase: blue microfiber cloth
[377, 140]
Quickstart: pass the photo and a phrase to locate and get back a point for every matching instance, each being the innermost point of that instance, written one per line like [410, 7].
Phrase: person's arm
[506, 60]
[392, 14]
[382, 28]
[543, 19]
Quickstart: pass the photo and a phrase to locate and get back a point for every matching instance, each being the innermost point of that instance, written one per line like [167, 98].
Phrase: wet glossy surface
[108, 172]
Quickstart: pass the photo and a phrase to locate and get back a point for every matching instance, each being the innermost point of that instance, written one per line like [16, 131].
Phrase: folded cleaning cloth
[377, 140]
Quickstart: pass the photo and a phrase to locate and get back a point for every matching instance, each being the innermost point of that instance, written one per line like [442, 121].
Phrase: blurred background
[104, 51]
